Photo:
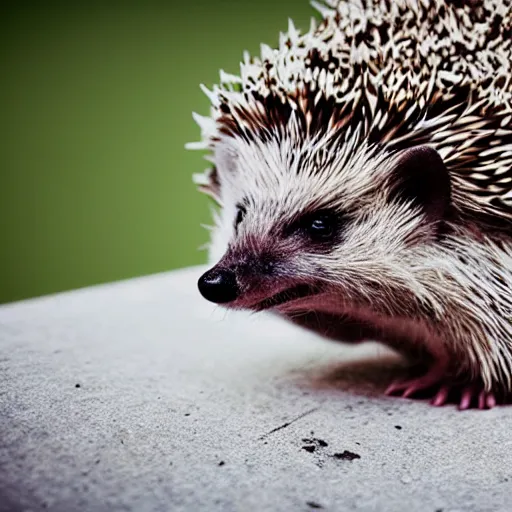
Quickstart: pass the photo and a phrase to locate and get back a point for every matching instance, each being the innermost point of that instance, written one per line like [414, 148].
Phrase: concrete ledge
[140, 396]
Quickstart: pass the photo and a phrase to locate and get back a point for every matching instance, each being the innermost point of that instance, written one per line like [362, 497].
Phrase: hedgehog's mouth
[300, 291]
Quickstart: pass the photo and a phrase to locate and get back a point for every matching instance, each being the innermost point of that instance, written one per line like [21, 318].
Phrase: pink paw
[466, 396]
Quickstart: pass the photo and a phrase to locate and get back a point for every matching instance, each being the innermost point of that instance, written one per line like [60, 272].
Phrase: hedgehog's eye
[240, 214]
[317, 226]
[321, 227]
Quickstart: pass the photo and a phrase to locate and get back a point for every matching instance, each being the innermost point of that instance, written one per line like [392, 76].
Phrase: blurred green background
[96, 101]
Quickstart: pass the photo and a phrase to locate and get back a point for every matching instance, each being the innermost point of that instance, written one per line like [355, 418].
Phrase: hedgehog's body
[365, 174]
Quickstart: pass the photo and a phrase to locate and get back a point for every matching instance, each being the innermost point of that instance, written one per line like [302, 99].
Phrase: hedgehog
[363, 176]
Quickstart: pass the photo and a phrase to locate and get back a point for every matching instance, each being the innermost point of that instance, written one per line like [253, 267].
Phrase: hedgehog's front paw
[471, 395]
[408, 388]
[444, 391]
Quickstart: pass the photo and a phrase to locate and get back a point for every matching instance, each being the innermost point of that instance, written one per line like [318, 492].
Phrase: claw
[411, 390]
[405, 388]
[465, 400]
[441, 396]
[482, 399]
[390, 389]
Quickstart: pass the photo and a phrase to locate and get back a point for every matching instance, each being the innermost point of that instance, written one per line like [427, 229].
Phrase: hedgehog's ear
[420, 176]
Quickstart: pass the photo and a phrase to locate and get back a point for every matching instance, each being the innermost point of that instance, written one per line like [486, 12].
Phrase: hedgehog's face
[297, 238]
[264, 269]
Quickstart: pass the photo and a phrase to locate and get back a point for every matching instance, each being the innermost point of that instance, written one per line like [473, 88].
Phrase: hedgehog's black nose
[218, 285]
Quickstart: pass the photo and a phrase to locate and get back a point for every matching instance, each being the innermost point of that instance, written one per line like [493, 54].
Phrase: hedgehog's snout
[219, 285]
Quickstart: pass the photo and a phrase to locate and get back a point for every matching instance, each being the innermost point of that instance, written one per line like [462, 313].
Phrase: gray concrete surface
[141, 396]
